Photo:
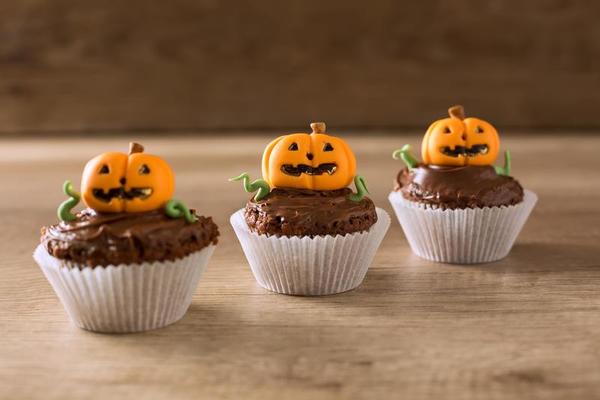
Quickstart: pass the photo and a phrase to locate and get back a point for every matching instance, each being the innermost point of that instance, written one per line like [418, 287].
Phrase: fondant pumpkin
[134, 182]
[309, 161]
[460, 141]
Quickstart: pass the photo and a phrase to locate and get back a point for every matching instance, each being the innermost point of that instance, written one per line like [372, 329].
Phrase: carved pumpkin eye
[478, 129]
[293, 147]
[104, 170]
[144, 170]
[328, 147]
[447, 130]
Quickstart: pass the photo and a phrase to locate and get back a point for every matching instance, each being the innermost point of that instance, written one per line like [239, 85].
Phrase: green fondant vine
[260, 186]
[64, 210]
[176, 209]
[361, 189]
[405, 155]
[505, 170]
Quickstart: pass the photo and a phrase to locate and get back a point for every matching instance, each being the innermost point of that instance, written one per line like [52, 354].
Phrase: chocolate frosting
[458, 187]
[95, 239]
[303, 212]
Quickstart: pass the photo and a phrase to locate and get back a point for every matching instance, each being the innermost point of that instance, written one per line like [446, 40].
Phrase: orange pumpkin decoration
[134, 182]
[460, 141]
[309, 161]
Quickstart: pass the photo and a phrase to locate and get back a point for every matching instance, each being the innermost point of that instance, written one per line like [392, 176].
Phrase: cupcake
[305, 232]
[132, 259]
[456, 206]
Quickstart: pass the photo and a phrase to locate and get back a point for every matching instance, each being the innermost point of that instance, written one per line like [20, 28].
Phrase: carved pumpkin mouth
[458, 151]
[121, 193]
[300, 169]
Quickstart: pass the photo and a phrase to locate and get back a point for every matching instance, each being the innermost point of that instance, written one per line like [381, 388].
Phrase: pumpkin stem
[457, 111]
[507, 164]
[64, 210]
[176, 209]
[135, 148]
[405, 155]
[361, 189]
[318, 127]
[259, 185]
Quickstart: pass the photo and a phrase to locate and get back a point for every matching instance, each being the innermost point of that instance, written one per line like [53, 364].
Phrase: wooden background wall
[79, 65]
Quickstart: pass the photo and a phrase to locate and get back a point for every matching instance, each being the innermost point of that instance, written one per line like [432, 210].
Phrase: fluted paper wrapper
[466, 236]
[310, 266]
[125, 298]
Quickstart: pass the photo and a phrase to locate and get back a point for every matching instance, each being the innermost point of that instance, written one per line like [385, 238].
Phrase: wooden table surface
[525, 327]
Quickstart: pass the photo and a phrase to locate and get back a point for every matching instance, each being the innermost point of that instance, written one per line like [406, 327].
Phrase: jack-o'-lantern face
[309, 161]
[134, 182]
[460, 141]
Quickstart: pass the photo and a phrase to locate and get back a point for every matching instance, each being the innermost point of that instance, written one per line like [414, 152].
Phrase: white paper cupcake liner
[310, 266]
[125, 298]
[465, 236]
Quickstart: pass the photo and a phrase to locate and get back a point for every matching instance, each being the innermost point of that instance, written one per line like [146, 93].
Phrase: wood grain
[77, 65]
[524, 327]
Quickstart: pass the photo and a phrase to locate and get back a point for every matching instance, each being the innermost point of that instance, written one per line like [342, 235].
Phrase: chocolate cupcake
[131, 261]
[305, 232]
[455, 206]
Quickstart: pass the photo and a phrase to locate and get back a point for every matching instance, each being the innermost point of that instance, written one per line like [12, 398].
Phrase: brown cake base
[301, 212]
[127, 238]
[458, 187]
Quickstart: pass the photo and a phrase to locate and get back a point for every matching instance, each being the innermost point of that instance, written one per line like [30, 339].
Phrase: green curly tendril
[405, 155]
[507, 163]
[64, 210]
[259, 185]
[361, 189]
[176, 209]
